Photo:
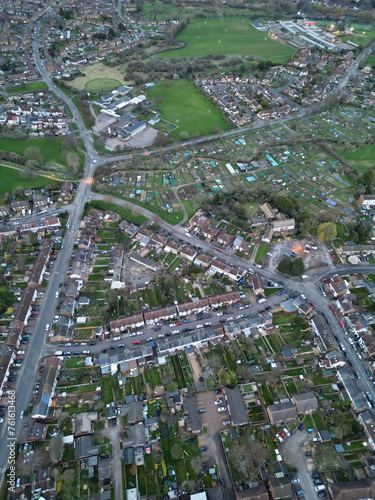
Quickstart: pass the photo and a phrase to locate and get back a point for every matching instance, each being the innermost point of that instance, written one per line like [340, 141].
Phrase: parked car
[222, 408]
[203, 448]
[202, 410]
[218, 402]
[296, 480]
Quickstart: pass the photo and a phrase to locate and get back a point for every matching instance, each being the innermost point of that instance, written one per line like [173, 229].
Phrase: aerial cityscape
[187, 249]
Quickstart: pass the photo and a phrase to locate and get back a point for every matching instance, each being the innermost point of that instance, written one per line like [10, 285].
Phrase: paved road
[294, 454]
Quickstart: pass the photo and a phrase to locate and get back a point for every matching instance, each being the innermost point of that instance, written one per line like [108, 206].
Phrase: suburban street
[38, 345]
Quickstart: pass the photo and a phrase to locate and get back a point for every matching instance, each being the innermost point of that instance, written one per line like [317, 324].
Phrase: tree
[69, 484]
[215, 362]
[368, 177]
[227, 377]
[56, 448]
[160, 139]
[327, 231]
[285, 205]
[176, 451]
[285, 265]
[184, 135]
[72, 159]
[172, 386]
[33, 153]
[298, 267]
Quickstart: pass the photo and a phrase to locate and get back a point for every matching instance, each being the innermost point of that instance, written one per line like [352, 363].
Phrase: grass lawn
[357, 39]
[361, 158]
[50, 148]
[261, 253]
[230, 36]
[186, 108]
[180, 379]
[10, 179]
[102, 83]
[30, 87]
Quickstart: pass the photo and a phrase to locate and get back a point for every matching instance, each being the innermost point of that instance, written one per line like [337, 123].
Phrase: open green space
[50, 148]
[28, 87]
[361, 158]
[261, 253]
[102, 83]
[230, 36]
[358, 39]
[184, 106]
[10, 179]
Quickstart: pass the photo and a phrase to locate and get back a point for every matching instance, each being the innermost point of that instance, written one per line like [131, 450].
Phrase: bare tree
[56, 448]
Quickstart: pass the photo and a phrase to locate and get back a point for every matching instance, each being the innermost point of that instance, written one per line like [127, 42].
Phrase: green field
[30, 87]
[230, 36]
[186, 108]
[358, 39]
[10, 179]
[102, 83]
[361, 158]
[50, 149]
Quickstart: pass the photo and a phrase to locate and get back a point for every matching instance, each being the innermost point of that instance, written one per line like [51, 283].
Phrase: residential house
[332, 360]
[345, 305]
[220, 267]
[224, 299]
[305, 402]
[369, 343]
[46, 391]
[284, 225]
[367, 420]
[194, 307]
[268, 234]
[210, 232]
[172, 246]
[255, 493]
[337, 286]
[203, 260]
[225, 239]
[352, 490]
[144, 235]
[282, 412]
[143, 262]
[258, 284]
[158, 315]
[235, 405]
[367, 201]
[188, 253]
[122, 324]
[191, 415]
[280, 488]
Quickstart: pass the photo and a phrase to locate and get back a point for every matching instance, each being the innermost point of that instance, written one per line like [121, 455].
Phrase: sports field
[96, 72]
[361, 159]
[10, 179]
[359, 39]
[101, 84]
[186, 108]
[230, 36]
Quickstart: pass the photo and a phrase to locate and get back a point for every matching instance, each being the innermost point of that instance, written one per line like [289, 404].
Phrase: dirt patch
[312, 259]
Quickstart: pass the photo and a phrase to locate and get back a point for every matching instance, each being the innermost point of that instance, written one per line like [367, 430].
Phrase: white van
[304, 276]
[261, 301]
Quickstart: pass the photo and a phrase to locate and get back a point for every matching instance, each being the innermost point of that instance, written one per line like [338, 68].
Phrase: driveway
[293, 452]
[212, 419]
[115, 435]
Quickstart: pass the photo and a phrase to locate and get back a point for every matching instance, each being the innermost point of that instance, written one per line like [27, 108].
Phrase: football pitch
[229, 36]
